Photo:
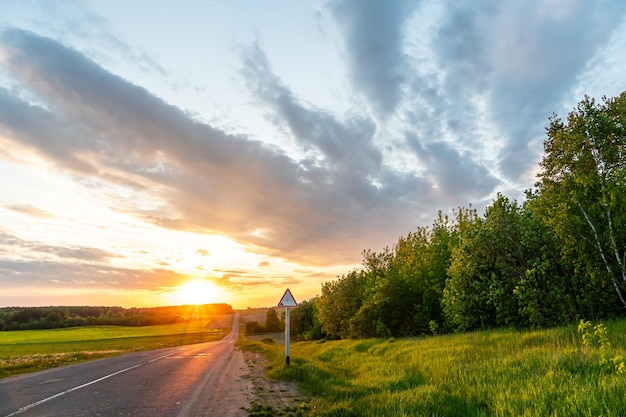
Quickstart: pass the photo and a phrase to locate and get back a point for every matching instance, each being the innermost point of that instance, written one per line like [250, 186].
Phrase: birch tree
[584, 183]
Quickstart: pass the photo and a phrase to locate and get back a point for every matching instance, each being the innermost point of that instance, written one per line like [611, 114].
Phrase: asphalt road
[195, 380]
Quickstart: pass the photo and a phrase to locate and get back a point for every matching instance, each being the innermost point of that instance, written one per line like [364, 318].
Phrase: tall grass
[494, 373]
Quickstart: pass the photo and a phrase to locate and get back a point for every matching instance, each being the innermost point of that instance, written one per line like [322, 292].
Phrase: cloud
[29, 210]
[63, 275]
[373, 36]
[518, 60]
[24, 249]
[117, 133]
[448, 105]
[456, 174]
[343, 146]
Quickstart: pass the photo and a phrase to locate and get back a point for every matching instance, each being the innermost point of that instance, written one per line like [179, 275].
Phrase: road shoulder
[269, 394]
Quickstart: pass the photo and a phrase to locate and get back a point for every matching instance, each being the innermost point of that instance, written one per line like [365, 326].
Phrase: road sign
[287, 300]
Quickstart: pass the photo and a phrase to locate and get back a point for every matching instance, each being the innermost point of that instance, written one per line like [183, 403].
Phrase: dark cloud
[373, 36]
[347, 146]
[456, 175]
[351, 182]
[520, 59]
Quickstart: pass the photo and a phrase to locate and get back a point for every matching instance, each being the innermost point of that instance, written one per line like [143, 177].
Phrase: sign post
[288, 302]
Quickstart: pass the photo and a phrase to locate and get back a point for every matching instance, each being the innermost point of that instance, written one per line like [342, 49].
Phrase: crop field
[32, 350]
[557, 372]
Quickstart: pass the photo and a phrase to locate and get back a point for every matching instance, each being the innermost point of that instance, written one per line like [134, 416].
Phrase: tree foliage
[583, 182]
[557, 258]
[29, 318]
[305, 324]
[272, 321]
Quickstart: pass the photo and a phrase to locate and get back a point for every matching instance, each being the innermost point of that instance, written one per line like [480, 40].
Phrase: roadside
[269, 397]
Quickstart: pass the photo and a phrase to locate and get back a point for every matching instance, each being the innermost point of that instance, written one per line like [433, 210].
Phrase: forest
[29, 318]
[556, 258]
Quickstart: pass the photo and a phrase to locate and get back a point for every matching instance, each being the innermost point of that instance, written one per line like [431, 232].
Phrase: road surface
[196, 380]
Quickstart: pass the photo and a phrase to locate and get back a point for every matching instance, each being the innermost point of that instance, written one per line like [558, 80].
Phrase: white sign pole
[288, 302]
[287, 335]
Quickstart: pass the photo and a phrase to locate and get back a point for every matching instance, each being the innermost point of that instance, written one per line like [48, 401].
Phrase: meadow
[33, 350]
[554, 372]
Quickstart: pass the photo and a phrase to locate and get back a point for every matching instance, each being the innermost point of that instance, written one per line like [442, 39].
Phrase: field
[568, 371]
[32, 350]
[552, 372]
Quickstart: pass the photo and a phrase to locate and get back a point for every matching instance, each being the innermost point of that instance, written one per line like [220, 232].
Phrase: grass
[493, 373]
[33, 350]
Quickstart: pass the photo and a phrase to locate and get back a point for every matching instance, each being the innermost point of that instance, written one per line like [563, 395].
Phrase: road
[196, 380]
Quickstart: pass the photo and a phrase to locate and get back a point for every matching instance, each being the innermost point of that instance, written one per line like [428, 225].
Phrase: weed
[260, 410]
[263, 410]
[596, 338]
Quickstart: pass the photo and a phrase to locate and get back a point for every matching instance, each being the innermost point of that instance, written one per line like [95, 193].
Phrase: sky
[150, 146]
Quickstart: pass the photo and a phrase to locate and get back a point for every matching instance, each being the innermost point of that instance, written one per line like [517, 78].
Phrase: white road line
[45, 400]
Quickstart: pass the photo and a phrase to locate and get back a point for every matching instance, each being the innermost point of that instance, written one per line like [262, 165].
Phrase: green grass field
[33, 350]
[494, 373]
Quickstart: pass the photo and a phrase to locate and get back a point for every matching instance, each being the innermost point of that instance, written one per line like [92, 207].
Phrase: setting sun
[199, 291]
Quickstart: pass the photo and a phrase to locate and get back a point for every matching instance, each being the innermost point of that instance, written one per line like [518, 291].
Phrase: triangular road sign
[287, 300]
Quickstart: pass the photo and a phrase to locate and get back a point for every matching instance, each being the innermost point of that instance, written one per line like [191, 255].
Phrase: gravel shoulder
[280, 397]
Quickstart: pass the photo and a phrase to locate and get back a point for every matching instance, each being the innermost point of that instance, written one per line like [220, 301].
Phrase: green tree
[381, 287]
[432, 271]
[254, 327]
[305, 324]
[339, 302]
[486, 268]
[583, 182]
[272, 321]
[550, 291]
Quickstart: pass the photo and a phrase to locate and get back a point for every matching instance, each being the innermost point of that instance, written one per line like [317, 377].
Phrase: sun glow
[199, 291]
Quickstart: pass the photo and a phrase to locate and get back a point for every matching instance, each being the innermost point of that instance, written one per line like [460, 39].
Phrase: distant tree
[54, 317]
[272, 321]
[254, 327]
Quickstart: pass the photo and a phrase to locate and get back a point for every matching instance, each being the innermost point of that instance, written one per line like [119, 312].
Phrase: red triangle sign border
[287, 300]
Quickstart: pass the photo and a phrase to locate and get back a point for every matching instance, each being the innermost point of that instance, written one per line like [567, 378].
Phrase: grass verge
[494, 373]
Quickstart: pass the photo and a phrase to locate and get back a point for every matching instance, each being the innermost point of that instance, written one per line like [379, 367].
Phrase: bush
[254, 327]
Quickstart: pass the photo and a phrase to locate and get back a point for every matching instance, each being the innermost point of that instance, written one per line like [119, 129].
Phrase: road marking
[45, 400]
[51, 381]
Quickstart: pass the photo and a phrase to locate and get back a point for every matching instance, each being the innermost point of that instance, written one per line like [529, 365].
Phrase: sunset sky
[253, 146]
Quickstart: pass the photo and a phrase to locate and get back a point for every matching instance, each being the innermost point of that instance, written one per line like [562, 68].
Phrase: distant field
[278, 338]
[32, 350]
[253, 314]
[492, 373]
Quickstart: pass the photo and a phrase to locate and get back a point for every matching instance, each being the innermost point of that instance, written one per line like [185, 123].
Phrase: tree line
[273, 323]
[556, 258]
[30, 318]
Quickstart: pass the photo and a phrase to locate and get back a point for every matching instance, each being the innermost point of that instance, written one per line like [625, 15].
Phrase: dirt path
[279, 395]
[245, 390]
